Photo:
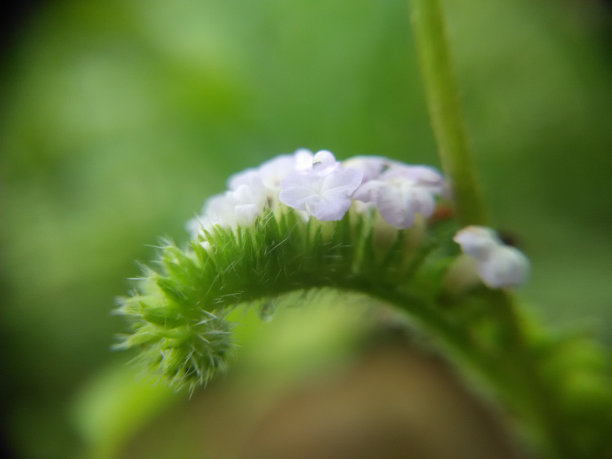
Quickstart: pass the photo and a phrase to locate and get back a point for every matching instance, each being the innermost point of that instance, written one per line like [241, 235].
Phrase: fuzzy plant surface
[302, 224]
[402, 234]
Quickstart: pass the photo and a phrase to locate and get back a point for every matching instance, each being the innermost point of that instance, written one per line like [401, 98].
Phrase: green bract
[178, 310]
[557, 387]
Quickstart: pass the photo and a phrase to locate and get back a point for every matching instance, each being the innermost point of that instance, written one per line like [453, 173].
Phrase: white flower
[477, 241]
[270, 173]
[236, 207]
[323, 163]
[504, 267]
[246, 203]
[399, 191]
[397, 200]
[400, 201]
[324, 190]
[303, 159]
[371, 166]
[318, 185]
[248, 177]
[273, 171]
[212, 214]
[422, 176]
[498, 265]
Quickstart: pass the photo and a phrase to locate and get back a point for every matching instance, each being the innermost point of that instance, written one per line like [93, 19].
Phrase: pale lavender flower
[400, 192]
[247, 203]
[270, 173]
[477, 241]
[498, 265]
[236, 207]
[249, 177]
[323, 163]
[504, 267]
[303, 159]
[422, 176]
[398, 200]
[371, 166]
[323, 191]
[273, 171]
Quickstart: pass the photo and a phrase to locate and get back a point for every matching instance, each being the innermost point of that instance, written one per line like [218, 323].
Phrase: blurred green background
[118, 119]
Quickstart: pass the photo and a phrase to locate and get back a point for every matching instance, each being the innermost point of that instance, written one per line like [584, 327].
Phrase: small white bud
[498, 265]
[477, 241]
[504, 267]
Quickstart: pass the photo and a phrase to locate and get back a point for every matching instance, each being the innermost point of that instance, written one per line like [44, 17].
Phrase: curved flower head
[318, 185]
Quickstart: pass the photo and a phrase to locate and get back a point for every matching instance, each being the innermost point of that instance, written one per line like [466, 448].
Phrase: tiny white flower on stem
[504, 267]
[248, 177]
[399, 201]
[498, 265]
[423, 176]
[303, 159]
[371, 166]
[247, 204]
[273, 171]
[323, 191]
[212, 214]
[324, 163]
[239, 206]
[270, 173]
[477, 241]
[397, 190]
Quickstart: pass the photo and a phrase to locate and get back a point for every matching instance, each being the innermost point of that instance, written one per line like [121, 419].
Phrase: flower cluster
[319, 186]
[498, 265]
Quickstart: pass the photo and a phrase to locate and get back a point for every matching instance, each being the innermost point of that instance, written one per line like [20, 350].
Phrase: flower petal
[477, 241]
[504, 267]
[399, 202]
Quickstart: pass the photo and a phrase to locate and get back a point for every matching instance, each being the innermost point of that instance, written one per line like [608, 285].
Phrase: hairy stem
[444, 110]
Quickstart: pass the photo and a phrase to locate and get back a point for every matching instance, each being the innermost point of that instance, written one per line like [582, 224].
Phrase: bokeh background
[118, 118]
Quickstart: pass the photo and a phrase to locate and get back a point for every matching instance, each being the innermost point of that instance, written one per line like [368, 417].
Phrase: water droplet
[266, 311]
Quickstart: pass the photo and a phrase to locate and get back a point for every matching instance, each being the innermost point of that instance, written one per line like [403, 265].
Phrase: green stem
[544, 413]
[444, 110]
[509, 369]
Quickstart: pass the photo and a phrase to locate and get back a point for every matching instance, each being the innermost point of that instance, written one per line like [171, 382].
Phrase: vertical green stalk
[447, 123]
[444, 111]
